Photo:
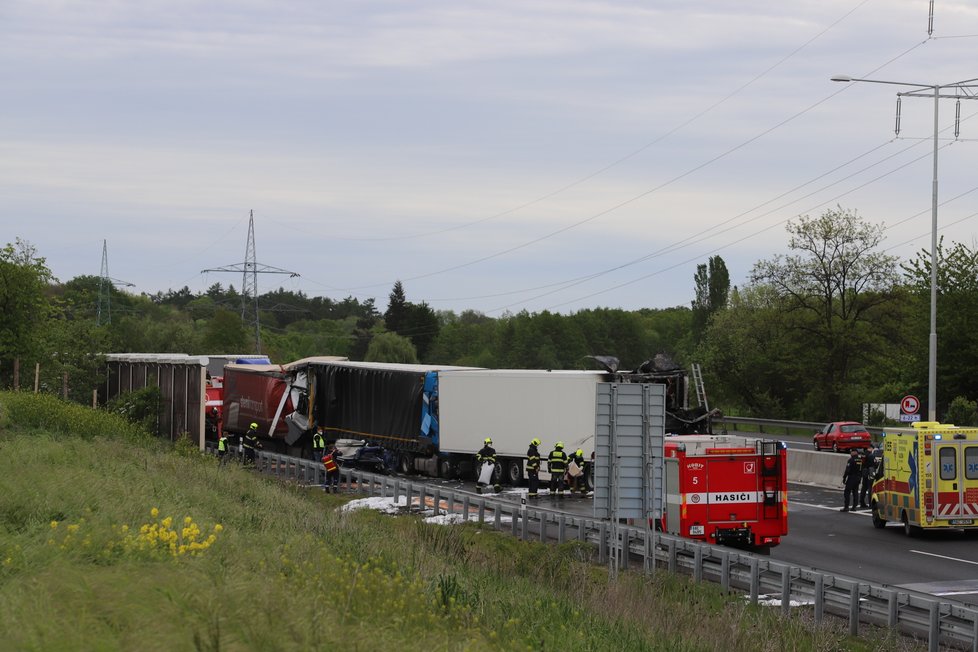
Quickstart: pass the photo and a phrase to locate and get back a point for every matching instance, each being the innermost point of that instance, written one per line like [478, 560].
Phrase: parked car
[842, 436]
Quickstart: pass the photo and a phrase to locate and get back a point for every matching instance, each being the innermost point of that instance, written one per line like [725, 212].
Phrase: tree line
[814, 333]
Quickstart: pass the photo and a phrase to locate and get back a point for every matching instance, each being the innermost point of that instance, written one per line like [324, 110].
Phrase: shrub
[47, 412]
[962, 412]
[142, 406]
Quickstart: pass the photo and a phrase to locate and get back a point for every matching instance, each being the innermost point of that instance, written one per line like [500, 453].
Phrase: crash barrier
[938, 621]
[811, 467]
[778, 427]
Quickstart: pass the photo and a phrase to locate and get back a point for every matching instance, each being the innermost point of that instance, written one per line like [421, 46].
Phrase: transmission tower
[105, 285]
[250, 269]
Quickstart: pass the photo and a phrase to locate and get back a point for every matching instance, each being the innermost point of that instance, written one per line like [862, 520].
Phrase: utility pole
[962, 90]
[250, 269]
[105, 285]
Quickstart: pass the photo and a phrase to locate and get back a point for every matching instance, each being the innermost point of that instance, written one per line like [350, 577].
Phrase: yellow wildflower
[154, 512]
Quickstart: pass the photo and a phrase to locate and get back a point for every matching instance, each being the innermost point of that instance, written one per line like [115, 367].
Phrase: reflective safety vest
[557, 461]
[222, 444]
[318, 443]
[532, 459]
[329, 463]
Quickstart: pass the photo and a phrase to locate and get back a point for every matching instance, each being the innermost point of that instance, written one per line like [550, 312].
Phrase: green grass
[83, 568]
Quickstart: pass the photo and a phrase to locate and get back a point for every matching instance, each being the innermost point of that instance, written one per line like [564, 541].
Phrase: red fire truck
[726, 489]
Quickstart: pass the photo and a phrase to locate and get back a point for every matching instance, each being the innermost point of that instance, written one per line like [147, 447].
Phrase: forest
[815, 332]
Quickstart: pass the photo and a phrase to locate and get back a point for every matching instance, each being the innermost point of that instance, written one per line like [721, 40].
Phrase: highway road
[823, 538]
[820, 536]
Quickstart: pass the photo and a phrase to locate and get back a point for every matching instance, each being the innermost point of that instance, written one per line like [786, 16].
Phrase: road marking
[861, 512]
[930, 554]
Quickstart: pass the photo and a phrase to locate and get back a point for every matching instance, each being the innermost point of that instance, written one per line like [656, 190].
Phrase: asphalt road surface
[821, 537]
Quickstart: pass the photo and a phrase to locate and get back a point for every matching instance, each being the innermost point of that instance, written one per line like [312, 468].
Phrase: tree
[397, 309]
[24, 304]
[833, 289]
[224, 333]
[391, 347]
[957, 312]
[712, 287]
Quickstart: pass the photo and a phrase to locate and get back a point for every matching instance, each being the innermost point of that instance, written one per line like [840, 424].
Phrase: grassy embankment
[109, 540]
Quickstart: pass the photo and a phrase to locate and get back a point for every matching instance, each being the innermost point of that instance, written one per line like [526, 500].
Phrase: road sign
[910, 405]
[909, 418]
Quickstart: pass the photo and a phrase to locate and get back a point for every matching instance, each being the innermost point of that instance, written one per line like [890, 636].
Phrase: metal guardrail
[777, 425]
[938, 621]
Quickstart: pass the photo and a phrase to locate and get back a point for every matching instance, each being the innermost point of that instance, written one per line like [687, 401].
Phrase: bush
[142, 407]
[962, 412]
[47, 412]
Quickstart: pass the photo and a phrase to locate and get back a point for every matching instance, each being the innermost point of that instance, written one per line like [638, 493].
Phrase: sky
[492, 156]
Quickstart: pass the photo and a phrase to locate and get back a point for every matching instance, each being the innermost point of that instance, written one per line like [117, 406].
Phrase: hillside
[110, 540]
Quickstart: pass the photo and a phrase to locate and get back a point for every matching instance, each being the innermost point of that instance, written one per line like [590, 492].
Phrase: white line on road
[930, 554]
[833, 509]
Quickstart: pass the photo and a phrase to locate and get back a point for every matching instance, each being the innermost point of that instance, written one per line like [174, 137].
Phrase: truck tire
[447, 469]
[405, 463]
[513, 472]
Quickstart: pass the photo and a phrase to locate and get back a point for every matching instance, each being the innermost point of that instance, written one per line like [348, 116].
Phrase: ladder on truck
[700, 389]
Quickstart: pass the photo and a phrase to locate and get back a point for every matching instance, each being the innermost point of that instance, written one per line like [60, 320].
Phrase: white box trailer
[512, 406]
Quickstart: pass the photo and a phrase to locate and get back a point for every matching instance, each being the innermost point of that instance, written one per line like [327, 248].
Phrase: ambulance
[927, 478]
[726, 489]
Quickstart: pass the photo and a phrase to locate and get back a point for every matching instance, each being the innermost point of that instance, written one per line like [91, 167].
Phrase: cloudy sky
[497, 156]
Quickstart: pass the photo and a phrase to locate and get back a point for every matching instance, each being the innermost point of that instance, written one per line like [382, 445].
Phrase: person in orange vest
[331, 463]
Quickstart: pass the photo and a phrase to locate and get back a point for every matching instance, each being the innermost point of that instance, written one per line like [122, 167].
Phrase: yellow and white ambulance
[927, 478]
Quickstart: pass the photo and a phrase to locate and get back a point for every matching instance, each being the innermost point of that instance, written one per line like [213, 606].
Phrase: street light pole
[962, 91]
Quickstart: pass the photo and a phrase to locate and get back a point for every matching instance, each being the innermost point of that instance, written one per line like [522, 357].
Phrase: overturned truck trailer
[433, 418]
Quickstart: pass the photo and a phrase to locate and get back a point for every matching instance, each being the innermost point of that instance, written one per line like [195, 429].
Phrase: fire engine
[927, 478]
[726, 489]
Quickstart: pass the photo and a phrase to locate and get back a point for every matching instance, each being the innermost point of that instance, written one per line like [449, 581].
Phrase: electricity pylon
[250, 269]
[105, 285]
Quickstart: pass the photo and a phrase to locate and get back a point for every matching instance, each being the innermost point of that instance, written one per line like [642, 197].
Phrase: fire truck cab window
[949, 463]
[971, 462]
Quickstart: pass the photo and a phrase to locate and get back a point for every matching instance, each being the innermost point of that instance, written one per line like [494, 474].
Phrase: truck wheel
[878, 521]
[513, 472]
[447, 469]
[405, 463]
[589, 477]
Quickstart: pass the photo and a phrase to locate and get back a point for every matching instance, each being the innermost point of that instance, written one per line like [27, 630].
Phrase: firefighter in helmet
[250, 443]
[575, 473]
[557, 465]
[486, 456]
[533, 468]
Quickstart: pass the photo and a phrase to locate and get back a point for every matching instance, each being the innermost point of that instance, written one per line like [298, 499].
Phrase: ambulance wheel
[910, 530]
[878, 521]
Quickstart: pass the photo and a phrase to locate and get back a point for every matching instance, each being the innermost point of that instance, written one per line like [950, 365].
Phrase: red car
[843, 435]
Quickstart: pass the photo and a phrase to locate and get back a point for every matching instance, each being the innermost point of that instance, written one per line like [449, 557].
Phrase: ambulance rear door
[956, 498]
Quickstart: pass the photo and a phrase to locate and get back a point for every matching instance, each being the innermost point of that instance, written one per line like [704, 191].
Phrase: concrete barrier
[820, 469]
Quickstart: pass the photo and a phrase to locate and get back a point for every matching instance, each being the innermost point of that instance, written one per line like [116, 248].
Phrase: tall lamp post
[963, 90]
